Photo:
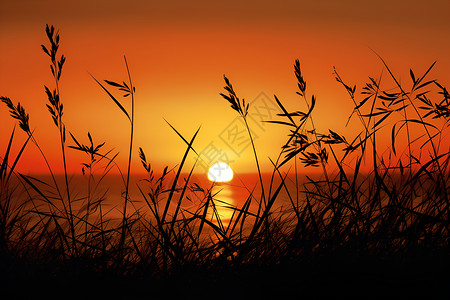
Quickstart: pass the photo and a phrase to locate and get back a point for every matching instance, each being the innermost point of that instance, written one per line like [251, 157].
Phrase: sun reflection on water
[224, 202]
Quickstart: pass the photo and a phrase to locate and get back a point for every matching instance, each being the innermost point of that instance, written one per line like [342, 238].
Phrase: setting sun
[220, 172]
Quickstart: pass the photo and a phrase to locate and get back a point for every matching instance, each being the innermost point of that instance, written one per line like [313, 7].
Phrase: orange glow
[178, 53]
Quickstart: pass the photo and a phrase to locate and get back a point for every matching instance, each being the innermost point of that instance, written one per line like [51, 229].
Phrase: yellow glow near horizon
[220, 172]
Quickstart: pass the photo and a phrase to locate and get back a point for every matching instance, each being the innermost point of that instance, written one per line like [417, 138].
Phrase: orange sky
[178, 52]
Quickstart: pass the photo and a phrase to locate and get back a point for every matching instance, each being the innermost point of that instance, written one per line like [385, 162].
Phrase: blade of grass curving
[243, 212]
[421, 122]
[217, 230]
[174, 184]
[231, 219]
[429, 140]
[294, 206]
[217, 216]
[108, 165]
[127, 184]
[16, 160]
[280, 123]
[205, 211]
[424, 167]
[36, 189]
[293, 154]
[153, 211]
[424, 75]
[180, 200]
[381, 121]
[4, 166]
[113, 98]
[267, 209]
[181, 136]
[284, 110]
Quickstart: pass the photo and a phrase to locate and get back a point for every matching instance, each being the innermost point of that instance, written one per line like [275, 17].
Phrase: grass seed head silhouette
[18, 113]
[236, 104]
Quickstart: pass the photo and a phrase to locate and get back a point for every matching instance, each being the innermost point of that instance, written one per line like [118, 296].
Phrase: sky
[178, 52]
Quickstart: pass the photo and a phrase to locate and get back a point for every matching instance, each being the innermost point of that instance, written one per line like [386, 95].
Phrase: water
[110, 190]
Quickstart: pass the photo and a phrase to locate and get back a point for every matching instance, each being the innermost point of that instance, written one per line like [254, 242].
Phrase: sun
[220, 172]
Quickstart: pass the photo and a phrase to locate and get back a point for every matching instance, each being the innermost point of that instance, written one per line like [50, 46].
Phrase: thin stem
[88, 202]
[324, 169]
[61, 128]
[296, 180]
[129, 155]
[48, 166]
[256, 159]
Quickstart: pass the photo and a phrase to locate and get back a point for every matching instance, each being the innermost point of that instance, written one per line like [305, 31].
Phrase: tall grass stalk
[127, 90]
[242, 109]
[18, 112]
[56, 110]
[127, 186]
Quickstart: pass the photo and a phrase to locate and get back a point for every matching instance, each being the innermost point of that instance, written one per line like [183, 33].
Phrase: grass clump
[370, 212]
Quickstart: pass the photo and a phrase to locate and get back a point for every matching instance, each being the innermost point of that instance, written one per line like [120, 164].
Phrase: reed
[127, 90]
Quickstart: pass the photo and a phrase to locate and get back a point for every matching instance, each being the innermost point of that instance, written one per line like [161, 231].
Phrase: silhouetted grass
[375, 212]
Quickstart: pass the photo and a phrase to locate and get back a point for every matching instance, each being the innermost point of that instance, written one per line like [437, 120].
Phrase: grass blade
[113, 98]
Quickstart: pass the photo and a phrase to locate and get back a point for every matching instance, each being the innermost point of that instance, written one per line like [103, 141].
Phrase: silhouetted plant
[56, 111]
[127, 90]
[242, 109]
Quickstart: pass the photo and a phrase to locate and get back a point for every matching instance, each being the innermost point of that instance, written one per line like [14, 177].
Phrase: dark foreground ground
[422, 275]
